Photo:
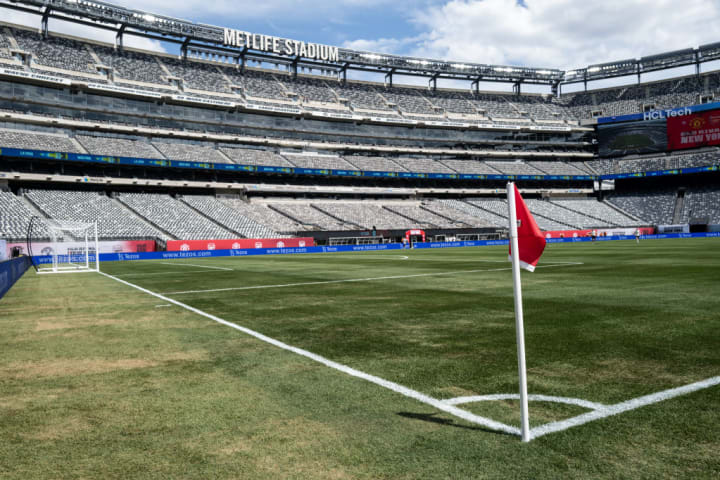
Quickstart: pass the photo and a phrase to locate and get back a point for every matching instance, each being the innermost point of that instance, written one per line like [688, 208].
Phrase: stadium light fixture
[593, 69]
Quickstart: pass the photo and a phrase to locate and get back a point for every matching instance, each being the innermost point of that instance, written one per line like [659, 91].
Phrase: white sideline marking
[439, 404]
[610, 410]
[162, 306]
[371, 279]
[166, 273]
[535, 398]
[195, 265]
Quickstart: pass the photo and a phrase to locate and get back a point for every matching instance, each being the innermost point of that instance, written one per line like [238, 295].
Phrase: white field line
[611, 410]
[600, 411]
[535, 398]
[438, 404]
[166, 273]
[196, 266]
[354, 280]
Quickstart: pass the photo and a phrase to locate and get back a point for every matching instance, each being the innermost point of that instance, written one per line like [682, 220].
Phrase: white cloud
[382, 45]
[563, 33]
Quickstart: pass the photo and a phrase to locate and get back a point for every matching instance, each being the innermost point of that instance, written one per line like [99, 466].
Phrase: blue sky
[563, 34]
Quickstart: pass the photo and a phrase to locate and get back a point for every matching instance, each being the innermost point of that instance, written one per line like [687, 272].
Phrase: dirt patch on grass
[59, 428]
[21, 400]
[86, 366]
[621, 370]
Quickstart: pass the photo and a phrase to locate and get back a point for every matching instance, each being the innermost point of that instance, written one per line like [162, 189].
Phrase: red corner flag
[531, 242]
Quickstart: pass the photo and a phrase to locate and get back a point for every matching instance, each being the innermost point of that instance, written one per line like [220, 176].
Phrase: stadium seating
[377, 164]
[310, 217]
[229, 217]
[250, 156]
[702, 204]
[366, 214]
[263, 215]
[470, 167]
[174, 217]
[56, 52]
[500, 208]
[653, 207]
[592, 209]
[190, 152]
[471, 214]
[113, 220]
[39, 141]
[15, 217]
[120, 147]
[73, 58]
[318, 161]
[424, 217]
[514, 168]
[423, 165]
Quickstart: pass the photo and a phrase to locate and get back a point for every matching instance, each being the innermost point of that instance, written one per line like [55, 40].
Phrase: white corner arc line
[438, 404]
[535, 398]
[352, 280]
[195, 265]
[610, 410]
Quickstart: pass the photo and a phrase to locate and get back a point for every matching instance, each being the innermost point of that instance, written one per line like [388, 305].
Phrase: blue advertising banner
[149, 162]
[660, 114]
[121, 257]
[11, 271]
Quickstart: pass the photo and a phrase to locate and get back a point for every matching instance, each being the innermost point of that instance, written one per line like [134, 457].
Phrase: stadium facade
[240, 135]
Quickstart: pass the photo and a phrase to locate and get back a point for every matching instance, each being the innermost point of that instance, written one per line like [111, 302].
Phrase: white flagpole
[519, 328]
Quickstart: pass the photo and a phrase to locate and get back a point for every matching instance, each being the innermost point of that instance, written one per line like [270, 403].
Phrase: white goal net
[65, 247]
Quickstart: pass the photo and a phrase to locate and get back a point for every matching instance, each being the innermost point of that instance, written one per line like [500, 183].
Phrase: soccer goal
[63, 246]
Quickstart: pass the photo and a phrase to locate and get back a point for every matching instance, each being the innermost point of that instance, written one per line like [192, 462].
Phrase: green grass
[637, 140]
[98, 381]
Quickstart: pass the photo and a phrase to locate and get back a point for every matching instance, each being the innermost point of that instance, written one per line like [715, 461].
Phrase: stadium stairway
[679, 207]
[285, 214]
[35, 209]
[451, 220]
[415, 220]
[585, 214]
[210, 219]
[145, 220]
[161, 241]
[341, 220]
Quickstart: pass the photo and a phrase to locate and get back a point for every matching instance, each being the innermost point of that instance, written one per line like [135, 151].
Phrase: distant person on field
[637, 235]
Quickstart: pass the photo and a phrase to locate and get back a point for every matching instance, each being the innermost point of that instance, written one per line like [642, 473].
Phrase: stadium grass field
[101, 380]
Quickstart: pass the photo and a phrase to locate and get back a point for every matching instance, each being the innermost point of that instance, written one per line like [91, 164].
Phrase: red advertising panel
[238, 244]
[696, 130]
[106, 246]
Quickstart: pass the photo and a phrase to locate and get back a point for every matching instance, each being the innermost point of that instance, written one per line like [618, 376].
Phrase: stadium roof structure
[209, 39]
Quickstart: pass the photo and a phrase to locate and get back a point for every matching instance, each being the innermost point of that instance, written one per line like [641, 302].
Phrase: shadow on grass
[431, 418]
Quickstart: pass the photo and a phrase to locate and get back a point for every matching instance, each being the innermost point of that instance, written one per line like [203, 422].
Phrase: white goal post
[72, 247]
